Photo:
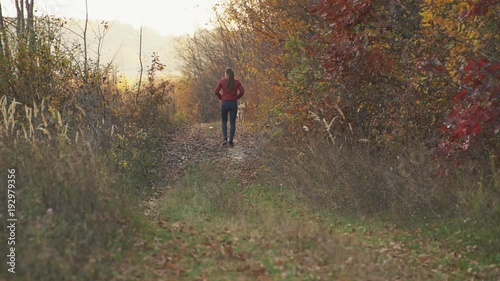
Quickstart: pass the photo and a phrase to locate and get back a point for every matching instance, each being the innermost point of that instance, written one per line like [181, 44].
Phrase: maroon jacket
[235, 94]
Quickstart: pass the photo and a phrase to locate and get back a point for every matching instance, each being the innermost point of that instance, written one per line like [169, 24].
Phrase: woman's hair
[230, 73]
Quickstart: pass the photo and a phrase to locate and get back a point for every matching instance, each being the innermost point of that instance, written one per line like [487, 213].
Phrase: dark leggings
[230, 107]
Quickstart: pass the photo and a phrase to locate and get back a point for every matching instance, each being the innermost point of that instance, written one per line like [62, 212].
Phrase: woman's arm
[241, 90]
[217, 90]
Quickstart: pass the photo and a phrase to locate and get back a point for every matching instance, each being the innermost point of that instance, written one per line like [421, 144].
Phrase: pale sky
[169, 17]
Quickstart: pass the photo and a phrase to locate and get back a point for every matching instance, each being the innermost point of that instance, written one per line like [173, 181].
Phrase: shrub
[400, 183]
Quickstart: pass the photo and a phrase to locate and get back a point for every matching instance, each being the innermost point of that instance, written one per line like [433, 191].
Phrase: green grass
[215, 229]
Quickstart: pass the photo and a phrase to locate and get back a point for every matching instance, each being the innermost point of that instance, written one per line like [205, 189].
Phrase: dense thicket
[382, 71]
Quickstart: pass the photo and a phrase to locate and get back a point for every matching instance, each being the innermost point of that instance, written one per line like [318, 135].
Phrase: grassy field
[211, 228]
[203, 212]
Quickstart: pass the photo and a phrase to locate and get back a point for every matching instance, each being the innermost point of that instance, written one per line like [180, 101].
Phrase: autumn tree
[268, 32]
[394, 67]
[469, 31]
[204, 63]
[18, 43]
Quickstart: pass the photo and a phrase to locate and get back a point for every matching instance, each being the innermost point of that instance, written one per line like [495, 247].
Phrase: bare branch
[142, 67]
[85, 67]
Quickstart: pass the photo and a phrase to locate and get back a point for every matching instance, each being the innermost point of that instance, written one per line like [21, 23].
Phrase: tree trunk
[30, 23]
[1, 19]
[20, 16]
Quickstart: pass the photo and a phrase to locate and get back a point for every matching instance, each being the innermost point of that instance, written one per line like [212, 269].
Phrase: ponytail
[230, 83]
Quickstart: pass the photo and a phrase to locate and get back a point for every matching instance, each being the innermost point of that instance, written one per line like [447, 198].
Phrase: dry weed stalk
[22, 124]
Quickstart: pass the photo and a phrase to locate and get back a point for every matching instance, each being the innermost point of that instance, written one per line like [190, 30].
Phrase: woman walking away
[232, 91]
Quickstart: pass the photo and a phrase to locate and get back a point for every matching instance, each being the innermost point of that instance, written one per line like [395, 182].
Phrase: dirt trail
[201, 143]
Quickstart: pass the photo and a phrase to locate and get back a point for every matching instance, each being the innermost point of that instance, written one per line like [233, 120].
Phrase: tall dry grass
[73, 216]
[400, 183]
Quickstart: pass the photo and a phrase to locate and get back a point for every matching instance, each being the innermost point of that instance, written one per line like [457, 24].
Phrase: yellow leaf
[427, 17]
[473, 34]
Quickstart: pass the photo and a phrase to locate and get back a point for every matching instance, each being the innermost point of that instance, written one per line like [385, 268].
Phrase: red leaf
[477, 128]
[459, 132]
[470, 66]
[482, 62]
[440, 68]
[459, 96]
